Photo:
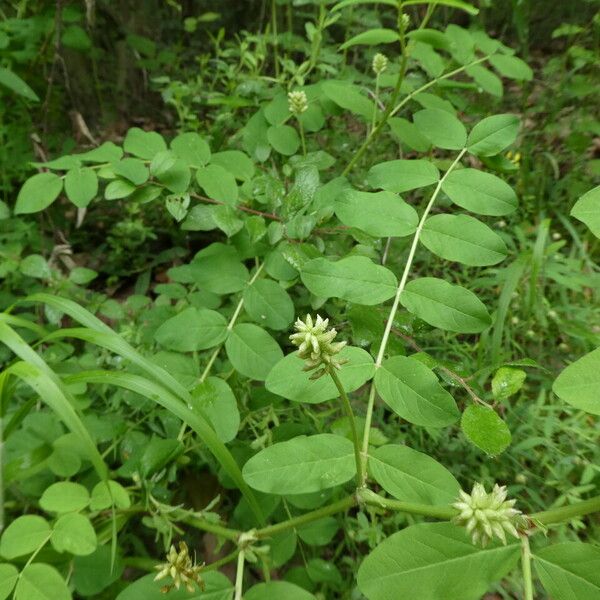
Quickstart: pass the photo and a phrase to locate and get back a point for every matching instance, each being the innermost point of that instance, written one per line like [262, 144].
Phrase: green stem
[203, 525]
[376, 100]
[526, 567]
[302, 139]
[390, 319]
[565, 513]
[274, 34]
[370, 498]
[350, 415]
[239, 576]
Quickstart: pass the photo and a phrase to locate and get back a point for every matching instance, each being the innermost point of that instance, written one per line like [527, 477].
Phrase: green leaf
[463, 239]
[218, 183]
[132, 169]
[238, 163]
[192, 329]
[288, 379]
[8, 579]
[81, 186]
[506, 382]
[105, 493]
[107, 152]
[36, 266]
[438, 560]
[492, 135]
[277, 589]
[489, 82]
[412, 476]
[485, 429]
[372, 37]
[402, 175]
[217, 587]
[41, 582]
[408, 134]
[284, 139]
[75, 37]
[587, 210]
[444, 305]
[252, 351]
[441, 128]
[64, 497]
[579, 384]
[119, 188]
[348, 96]
[143, 144]
[176, 178]
[319, 532]
[82, 275]
[480, 192]
[511, 67]
[37, 193]
[191, 149]
[267, 303]
[412, 391]
[13, 82]
[302, 465]
[24, 535]
[355, 279]
[214, 398]
[95, 572]
[74, 533]
[469, 8]
[569, 571]
[345, 3]
[380, 214]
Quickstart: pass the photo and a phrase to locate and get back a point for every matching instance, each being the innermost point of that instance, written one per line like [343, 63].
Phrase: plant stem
[220, 530]
[564, 513]
[302, 139]
[274, 34]
[369, 497]
[239, 576]
[390, 319]
[526, 566]
[376, 100]
[350, 415]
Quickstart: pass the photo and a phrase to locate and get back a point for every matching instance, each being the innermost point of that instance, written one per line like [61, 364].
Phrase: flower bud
[181, 569]
[488, 515]
[380, 63]
[316, 346]
[297, 102]
[405, 22]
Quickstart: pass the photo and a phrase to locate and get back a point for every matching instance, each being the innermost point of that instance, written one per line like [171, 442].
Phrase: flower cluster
[316, 346]
[380, 63]
[488, 515]
[297, 102]
[182, 570]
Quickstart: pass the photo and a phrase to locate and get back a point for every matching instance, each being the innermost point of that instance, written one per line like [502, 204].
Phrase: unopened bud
[297, 102]
[380, 63]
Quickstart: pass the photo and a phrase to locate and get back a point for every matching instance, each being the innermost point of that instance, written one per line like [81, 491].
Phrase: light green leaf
[492, 135]
[218, 183]
[41, 582]
[302, 465]
[267, 303]
[105, 153]
[288, 379]
[355, 279]
[412, 476]
[441, 128]
[82, 275]
[412, 391]
[480, 192]
[24, 535]
[489, 82]
[132, 169]
[284, 139]
[81, 186]
[143, 144]
[579, 384]
[119, 188]
[8, 578]
[402, 175]
[95, 572]
[13, 82]
[507, 381]
[463, 239]
[469, 8]
[277, 589]
[587, 210]
[444, 305]
[569, 571]
[372, 37]
[319, 532]
[408, 134]
[191, 149]
[348, 96]
[64, 497]
[35, 265]
[238, 163]
[511, 67]
[345, 3]
[214, 398]
[37, 193]
[381, 214]
[192, 329]
[74, 533]
[107, 492]
[485, 429]
[252, 351]
[438, 560]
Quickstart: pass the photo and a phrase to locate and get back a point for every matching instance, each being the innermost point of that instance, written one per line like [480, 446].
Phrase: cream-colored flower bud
[181, 569]
[405, 22]
[297, 102]
[486, 516]
[316, 346]
[380, 63]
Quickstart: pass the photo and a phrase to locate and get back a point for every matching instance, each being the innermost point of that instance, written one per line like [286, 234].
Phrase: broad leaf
[587, 210]
[192, 149]
[302, 465]
[278, 589]
[372, 37]
[511, 67]
[143, 144]
[348, 96]
[64, 496]
[218, 183]
[41, 582]
[441, 128]
[13, 82]
[284, 139]
[492, 135]
[23, 536]
[444, 305]
[81, 186]
[355, 278]
[267, 303]
[8, 578]
[579, 383]
[38, 192]
[74, 533]
[402, 175]
[215, 399]
[412, 391]
[485, 429]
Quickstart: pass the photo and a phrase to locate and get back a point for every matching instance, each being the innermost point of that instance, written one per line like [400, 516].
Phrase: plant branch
[370, 498]
[565, 513]
[526, 568]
